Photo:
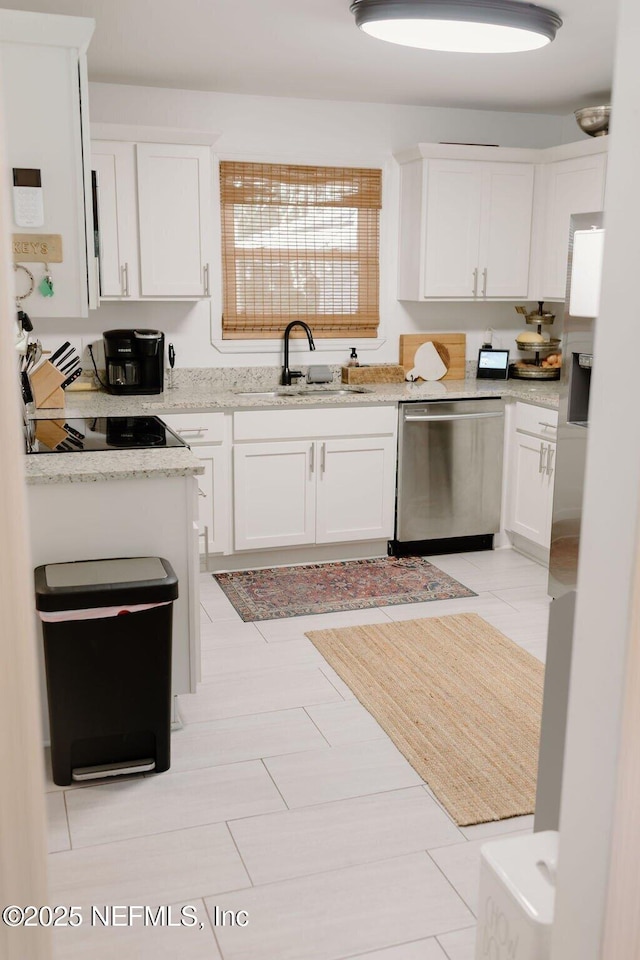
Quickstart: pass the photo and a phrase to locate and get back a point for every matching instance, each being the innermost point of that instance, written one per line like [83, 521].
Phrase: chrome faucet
[287, 375]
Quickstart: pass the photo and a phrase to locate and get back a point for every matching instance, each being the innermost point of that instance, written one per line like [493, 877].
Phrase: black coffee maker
[134, 361]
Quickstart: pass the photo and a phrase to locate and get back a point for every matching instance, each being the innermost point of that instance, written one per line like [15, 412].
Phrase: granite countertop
[203, 395]
[220, 390]
[111, 465]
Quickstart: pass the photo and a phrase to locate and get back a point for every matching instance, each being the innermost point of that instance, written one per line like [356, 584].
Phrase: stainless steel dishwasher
[449, 475]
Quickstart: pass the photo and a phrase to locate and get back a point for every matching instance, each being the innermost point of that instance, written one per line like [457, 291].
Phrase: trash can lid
[526, 866]
[83, 584]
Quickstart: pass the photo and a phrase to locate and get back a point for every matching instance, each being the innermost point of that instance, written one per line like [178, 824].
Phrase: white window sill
[275, 346]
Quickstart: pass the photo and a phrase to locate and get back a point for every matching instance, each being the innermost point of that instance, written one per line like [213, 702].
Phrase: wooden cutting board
[456, 344]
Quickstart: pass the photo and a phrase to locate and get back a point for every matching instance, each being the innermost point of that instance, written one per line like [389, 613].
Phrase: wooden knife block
[46, 387]
[50, 432]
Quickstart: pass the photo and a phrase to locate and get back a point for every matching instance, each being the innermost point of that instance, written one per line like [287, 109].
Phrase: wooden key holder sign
[46, 386]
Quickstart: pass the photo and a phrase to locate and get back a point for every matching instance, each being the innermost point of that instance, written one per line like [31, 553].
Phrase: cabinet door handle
[543, 450]
[207, 289]
[552, 426]
[484, 282]
[323, 461]
[201, 493]
[475, 282]
[205, 534]
[312, 459]
[550, 457]
[182, 430]
[124, 270]
[96, 269]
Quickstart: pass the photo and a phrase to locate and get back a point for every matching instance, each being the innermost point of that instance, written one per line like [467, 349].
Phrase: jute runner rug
[460, 701]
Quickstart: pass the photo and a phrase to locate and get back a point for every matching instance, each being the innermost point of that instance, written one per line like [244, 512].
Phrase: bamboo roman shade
[299, 243]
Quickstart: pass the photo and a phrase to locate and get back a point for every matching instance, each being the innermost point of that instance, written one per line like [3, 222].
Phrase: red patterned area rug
[330, 587]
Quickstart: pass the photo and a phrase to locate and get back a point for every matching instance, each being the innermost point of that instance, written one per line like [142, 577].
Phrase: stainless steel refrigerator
[583, 273]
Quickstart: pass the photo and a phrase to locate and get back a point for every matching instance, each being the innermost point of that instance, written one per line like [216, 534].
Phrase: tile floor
[287, 800]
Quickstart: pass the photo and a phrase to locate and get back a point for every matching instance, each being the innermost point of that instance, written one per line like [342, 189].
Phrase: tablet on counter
[492, 364]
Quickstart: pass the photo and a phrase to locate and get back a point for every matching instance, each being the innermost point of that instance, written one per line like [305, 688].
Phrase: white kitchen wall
[312, 131]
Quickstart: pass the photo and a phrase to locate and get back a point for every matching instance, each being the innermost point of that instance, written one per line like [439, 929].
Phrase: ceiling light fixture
[459, 26]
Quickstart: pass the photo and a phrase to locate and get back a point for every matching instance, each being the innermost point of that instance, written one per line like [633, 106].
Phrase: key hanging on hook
[46, 284]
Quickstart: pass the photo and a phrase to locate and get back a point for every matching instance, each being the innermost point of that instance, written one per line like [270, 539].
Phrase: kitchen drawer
[538, 421]
[315, 422]
[196, 428]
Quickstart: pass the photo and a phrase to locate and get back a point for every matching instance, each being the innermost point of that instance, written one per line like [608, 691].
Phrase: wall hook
[32, 283]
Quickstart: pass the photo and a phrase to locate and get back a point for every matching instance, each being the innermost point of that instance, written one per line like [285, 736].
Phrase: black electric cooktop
[99, 433]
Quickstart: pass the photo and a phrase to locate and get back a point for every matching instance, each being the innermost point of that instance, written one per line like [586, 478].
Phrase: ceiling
[312, 49]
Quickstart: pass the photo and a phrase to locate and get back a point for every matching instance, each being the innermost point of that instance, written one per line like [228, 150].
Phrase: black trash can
[107, 628]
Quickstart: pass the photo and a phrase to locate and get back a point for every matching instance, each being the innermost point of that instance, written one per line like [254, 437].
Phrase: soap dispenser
[353, 358]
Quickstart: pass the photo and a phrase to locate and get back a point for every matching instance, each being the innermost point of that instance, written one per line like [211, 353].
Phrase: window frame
[331, 335]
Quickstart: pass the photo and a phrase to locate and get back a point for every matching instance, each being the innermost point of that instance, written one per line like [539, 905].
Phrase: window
[299, 243]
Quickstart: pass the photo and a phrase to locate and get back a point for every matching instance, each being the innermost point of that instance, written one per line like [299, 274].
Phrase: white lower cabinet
[531, 474]
[355, 489]
[213, 497]
[206, 434]
[274, 494]
[142, 517]
[533, 489]
[321, 489]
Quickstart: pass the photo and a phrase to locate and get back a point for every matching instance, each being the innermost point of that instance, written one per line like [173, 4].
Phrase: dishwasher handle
[409, 418]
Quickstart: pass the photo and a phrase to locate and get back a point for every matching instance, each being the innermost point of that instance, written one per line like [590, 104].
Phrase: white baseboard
[530, 549]
[292, 556]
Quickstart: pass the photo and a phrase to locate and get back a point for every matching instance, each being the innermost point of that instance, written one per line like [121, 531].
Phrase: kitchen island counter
[91, 467]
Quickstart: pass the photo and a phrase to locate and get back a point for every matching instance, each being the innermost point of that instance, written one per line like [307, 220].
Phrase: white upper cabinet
[44, 103]
[465, 229]
[175, 218]
[569, 186]
[155, 219]
[506, 242]
[491, 223]
[114, 164]
[452, 228]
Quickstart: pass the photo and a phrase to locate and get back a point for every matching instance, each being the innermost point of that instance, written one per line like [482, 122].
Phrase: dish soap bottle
[353, 359]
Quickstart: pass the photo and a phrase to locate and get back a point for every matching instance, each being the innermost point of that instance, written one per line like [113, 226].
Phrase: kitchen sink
[257, 393]
[311, 392]
[337, 392]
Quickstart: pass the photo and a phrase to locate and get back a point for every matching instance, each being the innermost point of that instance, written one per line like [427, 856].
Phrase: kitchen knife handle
[65, 346]
[65, 358]
[27, 395]
[70, 379]
[68, 366]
